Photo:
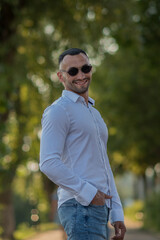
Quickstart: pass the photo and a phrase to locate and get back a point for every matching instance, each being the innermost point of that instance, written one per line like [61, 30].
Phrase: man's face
[81, 81]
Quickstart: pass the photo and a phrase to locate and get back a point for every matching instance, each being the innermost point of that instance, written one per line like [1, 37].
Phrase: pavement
[134, 232]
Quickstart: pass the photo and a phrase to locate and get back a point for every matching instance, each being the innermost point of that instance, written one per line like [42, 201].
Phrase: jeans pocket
[99, 213]
[69, 203]
[97, 206]
[67, 215]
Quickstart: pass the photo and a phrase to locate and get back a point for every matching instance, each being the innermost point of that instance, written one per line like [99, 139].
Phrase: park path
[134, 232]
[49, 235]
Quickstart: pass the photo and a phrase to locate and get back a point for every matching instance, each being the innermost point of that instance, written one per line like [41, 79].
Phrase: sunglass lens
[86, 68]
[73, 71]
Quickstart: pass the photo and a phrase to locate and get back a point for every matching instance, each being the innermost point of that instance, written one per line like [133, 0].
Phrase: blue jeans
[84, 222]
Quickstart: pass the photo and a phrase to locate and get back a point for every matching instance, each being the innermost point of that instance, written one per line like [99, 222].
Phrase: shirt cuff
[116, 215]
[86, 195]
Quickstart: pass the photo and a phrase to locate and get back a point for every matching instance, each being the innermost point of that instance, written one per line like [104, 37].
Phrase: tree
[131, 90]
[114, 33]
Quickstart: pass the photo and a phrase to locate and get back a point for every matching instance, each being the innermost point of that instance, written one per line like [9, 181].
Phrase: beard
[79, 86]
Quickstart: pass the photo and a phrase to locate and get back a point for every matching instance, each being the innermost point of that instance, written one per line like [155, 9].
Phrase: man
[73, 155]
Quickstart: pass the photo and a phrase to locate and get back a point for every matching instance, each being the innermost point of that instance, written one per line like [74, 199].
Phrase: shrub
[152, 212]
[135, 211]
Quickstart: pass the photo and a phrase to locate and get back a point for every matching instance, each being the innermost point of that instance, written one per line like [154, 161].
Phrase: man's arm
[116, 213]
[55, 128]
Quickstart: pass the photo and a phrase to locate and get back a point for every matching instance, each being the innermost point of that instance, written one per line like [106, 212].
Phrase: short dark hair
[71, 51]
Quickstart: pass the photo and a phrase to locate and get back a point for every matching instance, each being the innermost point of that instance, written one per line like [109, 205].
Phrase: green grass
[24, 231]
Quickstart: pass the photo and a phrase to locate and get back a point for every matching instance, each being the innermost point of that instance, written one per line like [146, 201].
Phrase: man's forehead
[73, 60]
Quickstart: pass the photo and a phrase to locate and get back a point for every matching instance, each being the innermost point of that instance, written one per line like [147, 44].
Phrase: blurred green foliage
[135, 211]
[29, 196]
[122, 40]
[24, 231]
[152, 210]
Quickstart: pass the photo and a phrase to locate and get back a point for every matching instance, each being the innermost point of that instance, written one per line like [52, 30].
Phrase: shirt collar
[74, 97]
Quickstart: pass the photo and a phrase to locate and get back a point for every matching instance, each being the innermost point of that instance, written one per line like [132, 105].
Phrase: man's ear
[60, 76]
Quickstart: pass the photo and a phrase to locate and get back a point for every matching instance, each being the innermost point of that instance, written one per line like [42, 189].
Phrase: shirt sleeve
[55, 128]
[116, 212]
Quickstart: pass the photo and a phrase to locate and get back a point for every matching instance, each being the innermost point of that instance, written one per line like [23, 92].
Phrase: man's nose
[80, 74]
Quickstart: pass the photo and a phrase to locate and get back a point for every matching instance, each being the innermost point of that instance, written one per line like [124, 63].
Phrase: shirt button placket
[101, 149]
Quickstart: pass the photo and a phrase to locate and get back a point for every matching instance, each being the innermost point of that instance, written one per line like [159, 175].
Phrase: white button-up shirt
[73, 152]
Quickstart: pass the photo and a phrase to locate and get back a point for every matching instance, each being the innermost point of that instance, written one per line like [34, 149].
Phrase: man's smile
[81, 82]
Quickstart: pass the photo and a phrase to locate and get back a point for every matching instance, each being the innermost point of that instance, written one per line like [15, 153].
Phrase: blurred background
[122, 39]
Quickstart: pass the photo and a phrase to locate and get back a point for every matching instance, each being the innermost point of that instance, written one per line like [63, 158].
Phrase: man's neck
[85, 96]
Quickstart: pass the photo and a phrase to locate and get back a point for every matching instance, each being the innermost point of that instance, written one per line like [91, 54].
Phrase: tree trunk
[7, 219]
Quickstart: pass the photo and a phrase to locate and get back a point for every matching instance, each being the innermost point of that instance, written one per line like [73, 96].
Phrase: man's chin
[81, 91]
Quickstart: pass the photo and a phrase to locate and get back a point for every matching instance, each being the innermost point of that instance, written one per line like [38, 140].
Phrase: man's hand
[99, 198]
[120, 230]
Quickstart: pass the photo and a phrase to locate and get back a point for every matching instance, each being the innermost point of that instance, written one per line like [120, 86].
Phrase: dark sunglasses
[73, 71]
